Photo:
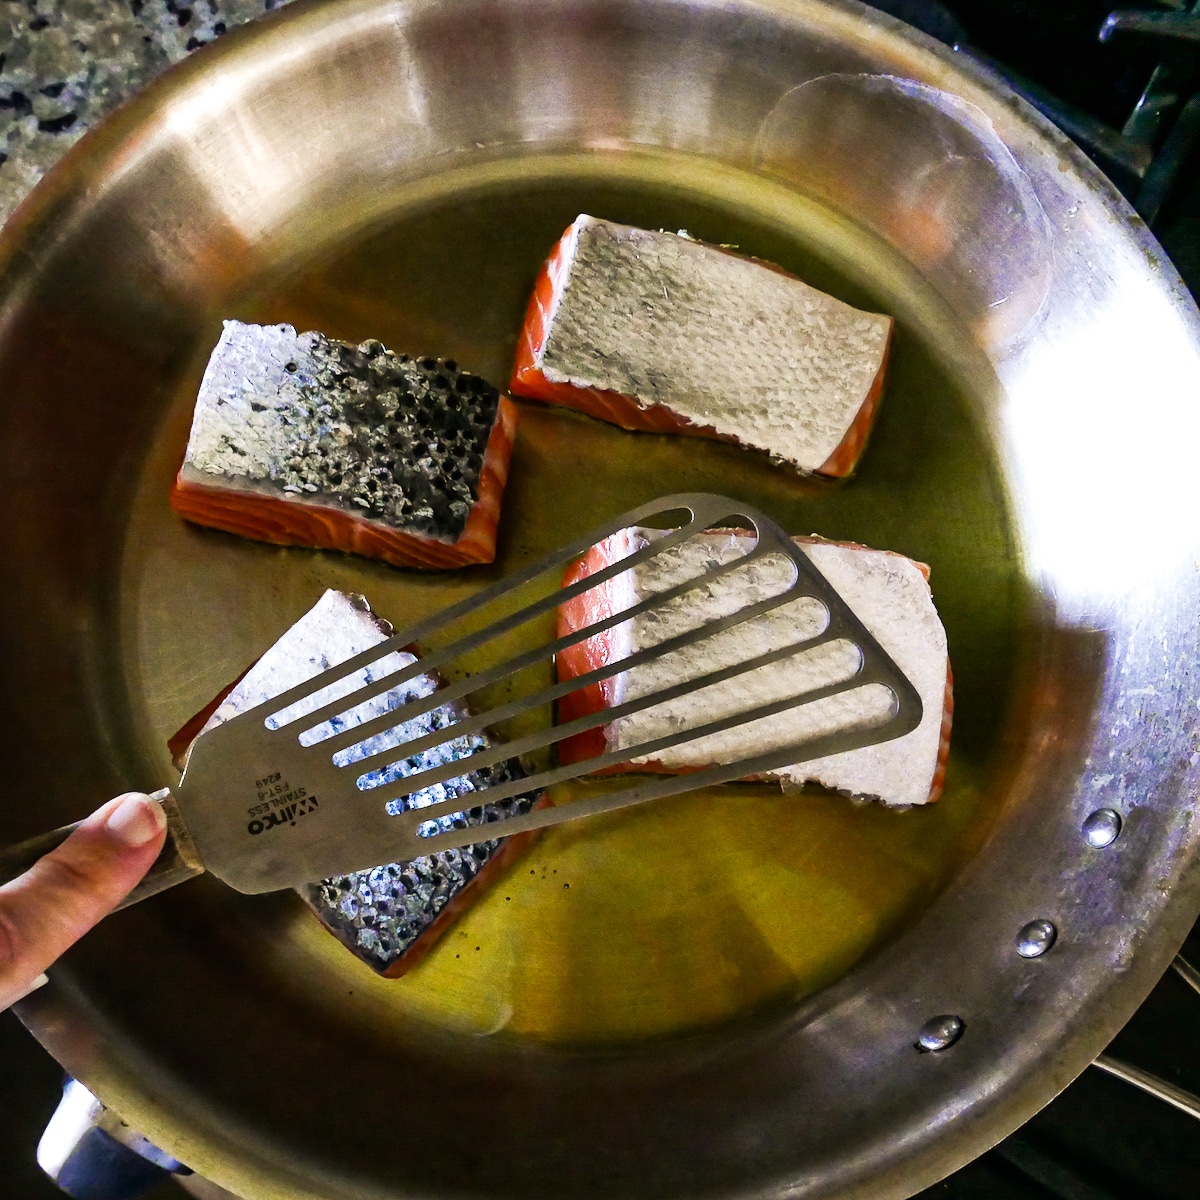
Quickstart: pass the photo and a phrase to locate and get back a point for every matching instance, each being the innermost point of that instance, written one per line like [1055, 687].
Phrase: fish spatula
[298, 788]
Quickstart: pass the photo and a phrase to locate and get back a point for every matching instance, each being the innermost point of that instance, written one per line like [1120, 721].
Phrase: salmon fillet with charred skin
[300, 440]
[391, 915]
[657, 332]
[890, 594]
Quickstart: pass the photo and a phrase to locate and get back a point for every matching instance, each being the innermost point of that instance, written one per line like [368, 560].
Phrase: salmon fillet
[391, 915]
[657, 332]
[299, 440]
[889, 592]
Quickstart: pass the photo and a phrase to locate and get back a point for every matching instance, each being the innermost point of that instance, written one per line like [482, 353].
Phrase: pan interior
[692, 912]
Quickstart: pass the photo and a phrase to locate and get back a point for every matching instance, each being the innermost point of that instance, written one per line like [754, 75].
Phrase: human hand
[64, 894]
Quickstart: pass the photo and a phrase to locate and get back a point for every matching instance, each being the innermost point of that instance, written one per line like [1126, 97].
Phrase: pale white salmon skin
[552, 297]
[598, 651]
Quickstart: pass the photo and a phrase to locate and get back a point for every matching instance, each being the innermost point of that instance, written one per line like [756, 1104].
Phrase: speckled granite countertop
[64, 64]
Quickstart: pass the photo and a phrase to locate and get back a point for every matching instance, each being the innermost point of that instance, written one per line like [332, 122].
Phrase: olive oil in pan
[690, 912]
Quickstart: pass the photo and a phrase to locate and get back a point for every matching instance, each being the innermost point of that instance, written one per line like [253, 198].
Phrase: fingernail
[136, 820]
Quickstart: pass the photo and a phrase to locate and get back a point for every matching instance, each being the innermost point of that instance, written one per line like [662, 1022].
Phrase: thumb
[64, 894]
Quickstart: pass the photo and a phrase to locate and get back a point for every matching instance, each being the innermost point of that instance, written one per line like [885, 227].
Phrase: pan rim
[31, 238]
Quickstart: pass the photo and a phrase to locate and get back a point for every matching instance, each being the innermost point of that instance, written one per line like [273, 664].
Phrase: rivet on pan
[1102, 828]
[938, 1033]
[1036, 938]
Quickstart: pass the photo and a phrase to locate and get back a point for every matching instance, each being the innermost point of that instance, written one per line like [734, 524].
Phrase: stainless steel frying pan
[710, 1009]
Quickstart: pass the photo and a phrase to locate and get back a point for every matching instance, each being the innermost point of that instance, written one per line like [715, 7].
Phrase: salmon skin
[888, 591]
[391, 915]
[658, 332]
[300, 440]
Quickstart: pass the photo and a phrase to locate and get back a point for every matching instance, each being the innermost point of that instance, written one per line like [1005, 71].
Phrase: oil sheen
[693, 912]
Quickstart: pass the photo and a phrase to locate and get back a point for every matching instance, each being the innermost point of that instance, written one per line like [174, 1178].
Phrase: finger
[65, 893]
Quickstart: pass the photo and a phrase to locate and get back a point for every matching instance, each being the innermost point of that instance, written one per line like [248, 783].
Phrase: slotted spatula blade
[294, 790]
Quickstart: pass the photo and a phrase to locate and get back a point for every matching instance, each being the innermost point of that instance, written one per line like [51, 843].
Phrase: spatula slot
[360, 731]
[482, 642]
[419, 737]
[702, 512]
[379, 669]
[488, 754]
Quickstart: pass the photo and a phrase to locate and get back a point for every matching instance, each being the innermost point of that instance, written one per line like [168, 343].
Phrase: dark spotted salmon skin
[391, 915]
[300, 440]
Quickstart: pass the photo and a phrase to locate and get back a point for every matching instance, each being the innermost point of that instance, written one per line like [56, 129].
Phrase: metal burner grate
[1124, 85]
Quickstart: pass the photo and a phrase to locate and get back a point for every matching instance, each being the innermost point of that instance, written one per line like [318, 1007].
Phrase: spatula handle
[16, 860]
[176, 861]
